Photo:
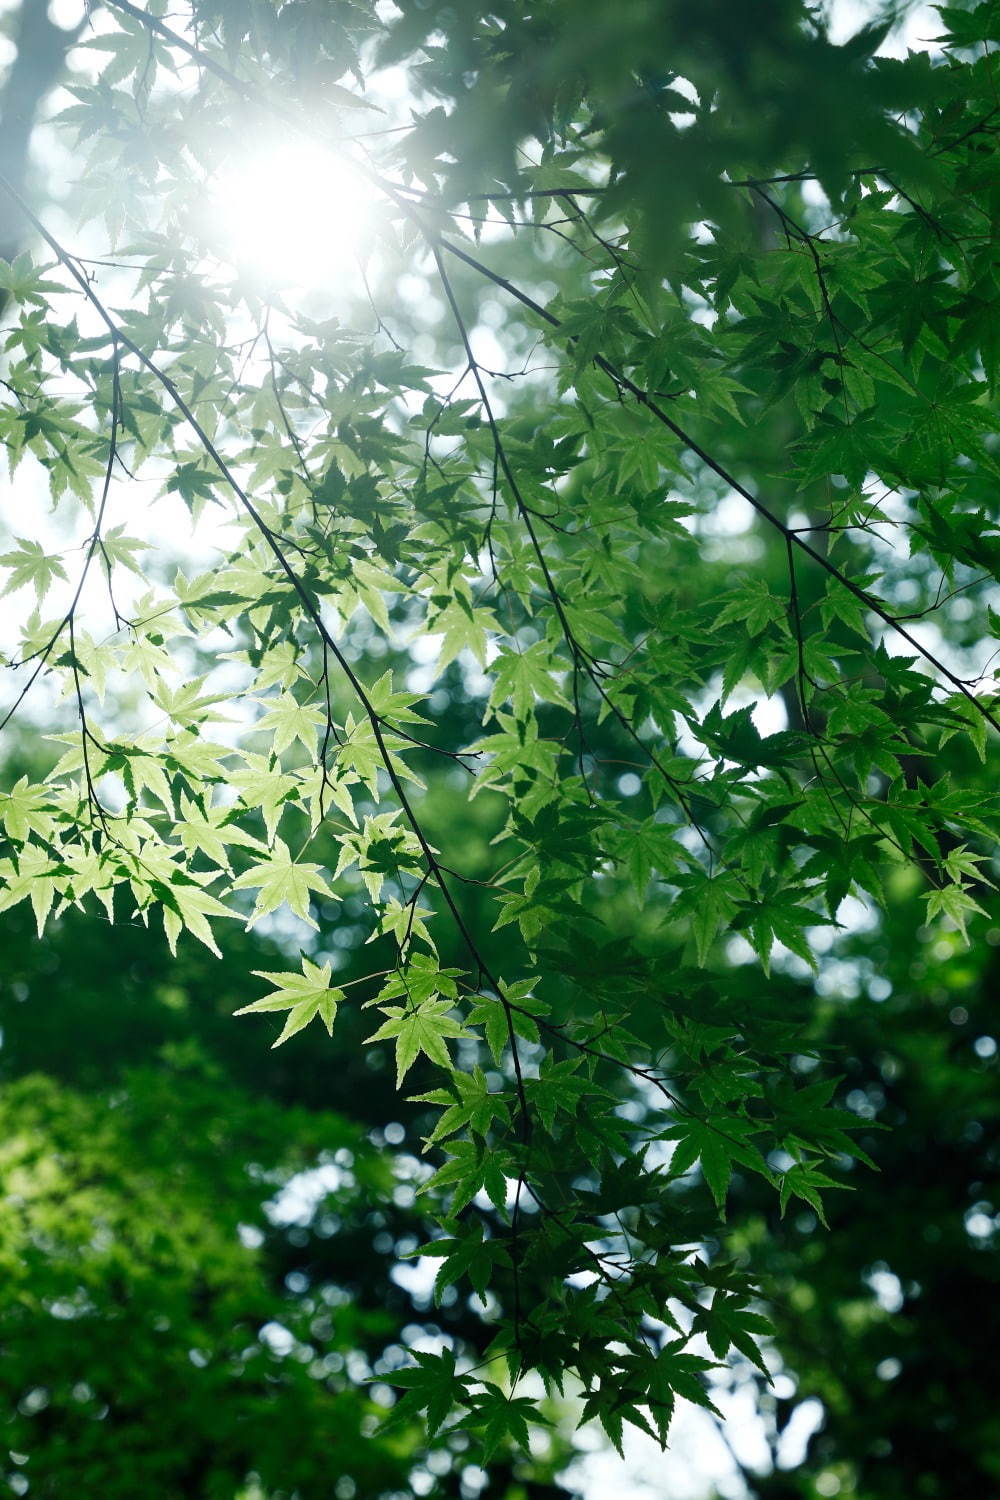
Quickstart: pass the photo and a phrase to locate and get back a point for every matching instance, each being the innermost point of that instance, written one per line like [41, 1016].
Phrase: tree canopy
[554, 617]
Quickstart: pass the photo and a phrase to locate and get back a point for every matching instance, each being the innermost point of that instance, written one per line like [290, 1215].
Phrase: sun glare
[292, 214]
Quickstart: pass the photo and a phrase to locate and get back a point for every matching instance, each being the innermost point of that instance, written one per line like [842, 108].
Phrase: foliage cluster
[719, 291]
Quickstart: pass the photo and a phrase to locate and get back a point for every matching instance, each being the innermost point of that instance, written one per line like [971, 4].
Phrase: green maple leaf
[24, 808]
[186, 906]
[682, 1373]
[755, 606]
[432, 1386]
[289, 720]
[716, 1144]
[35, 876]
[185, 703]
[25, 281]
[728, 1322]
[467, 1100]
[264, 787]
[806, 1180]
[210, 832]
[31, 564]
[471, 1166]
[304, 996]
[141, 770]
[462, 626]
[405, 922]
[954, 902]
[708, 903]
[559, 1087]
[506, 1417]
[197, 760]
[523, 676]
[781, 918]
[282, 880]
[193, 484]
[117, 547]
[421, 979]
[421, 1029]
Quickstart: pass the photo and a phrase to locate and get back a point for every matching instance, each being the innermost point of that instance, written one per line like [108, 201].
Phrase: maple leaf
[35, 876]
[717, 1144]
[210, 832]
[289, 720]
[954, 902]
[24, 808]
[523, 676]
[422, 1029]
[31, 564]
[263, 786]
[432, 1386]
[117, 547]
[282, 880]
[187, 906]
[464, 627]
[186, 705]
[304, 996]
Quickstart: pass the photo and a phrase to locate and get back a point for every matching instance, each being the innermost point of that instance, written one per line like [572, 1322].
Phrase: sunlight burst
[292, 214]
